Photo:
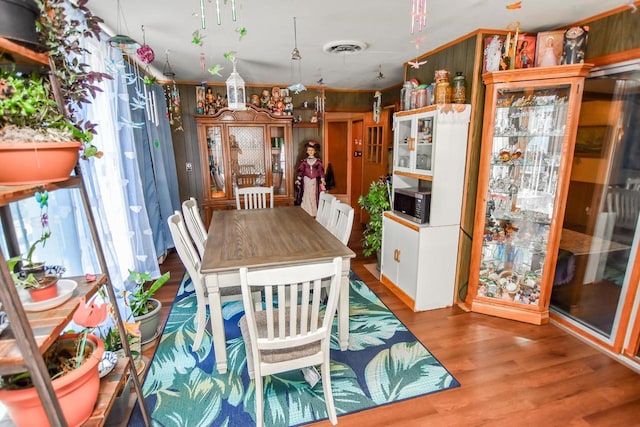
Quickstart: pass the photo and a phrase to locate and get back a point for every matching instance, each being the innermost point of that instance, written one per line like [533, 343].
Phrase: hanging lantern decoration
[236, 90]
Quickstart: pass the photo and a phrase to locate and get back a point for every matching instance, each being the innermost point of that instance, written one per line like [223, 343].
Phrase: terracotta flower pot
[37, 162]
[48, 289]
[76, 391]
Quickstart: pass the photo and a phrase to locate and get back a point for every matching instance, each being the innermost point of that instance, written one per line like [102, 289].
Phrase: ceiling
[263, 54]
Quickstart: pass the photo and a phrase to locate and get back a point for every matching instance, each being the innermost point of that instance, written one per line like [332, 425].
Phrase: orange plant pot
[37, 162]
[77, 393]
[47, 291]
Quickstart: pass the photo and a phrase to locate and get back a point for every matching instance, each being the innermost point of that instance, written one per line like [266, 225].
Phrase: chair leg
[259, 396]
[328, 394]
[200, 321]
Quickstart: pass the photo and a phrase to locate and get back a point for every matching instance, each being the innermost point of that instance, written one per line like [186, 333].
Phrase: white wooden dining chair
[254, 197]
[325, 203]
[189, 257]
[195, 226]
[342, 222]
[291, 332]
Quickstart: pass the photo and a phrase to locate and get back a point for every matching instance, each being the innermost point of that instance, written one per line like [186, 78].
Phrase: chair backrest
[187, 252]
[626, 204]
[254, 197]
[292, 304]
[342, 222]
[632, 183]
[195, 226]
[324, 207]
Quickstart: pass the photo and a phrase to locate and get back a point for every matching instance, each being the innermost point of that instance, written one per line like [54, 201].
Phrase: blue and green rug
[385, 363]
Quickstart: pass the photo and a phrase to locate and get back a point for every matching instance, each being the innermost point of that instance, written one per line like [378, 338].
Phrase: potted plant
[144, 308]
[72, 362]
[375, 202]
[32, 275]
[40, 116]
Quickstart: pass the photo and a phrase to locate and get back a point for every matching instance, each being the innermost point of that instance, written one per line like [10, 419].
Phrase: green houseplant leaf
[138, 299]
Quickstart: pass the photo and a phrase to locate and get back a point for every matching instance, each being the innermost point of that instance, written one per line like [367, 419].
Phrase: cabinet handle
[396, 255]
[412, 144]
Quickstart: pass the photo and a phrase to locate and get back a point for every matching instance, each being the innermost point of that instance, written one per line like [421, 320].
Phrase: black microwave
[412, 204]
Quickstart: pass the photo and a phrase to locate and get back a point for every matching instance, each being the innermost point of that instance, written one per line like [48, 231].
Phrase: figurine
[255, 100]
[575, 44]
[310, 179]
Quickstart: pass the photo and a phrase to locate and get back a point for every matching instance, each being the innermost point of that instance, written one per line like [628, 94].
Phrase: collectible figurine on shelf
[575, 44]
[255, 100]
[288, 106]
[310, 179]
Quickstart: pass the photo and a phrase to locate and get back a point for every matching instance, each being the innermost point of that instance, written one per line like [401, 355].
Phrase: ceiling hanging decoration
[203, 22]
[145, 53]
[197, 38]
[233, 11]
[380, 76]
[172, 96]
[418, 15]
[124, 42]
[296, 59]
[235, 89]
[377, 106]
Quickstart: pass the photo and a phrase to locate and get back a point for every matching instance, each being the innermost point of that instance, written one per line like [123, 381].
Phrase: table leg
[343, 306]
[217, 323]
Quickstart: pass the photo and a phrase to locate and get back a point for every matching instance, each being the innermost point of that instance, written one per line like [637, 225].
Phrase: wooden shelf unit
[30, 334]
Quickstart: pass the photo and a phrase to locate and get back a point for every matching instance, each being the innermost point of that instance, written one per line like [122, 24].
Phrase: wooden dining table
[256, 238]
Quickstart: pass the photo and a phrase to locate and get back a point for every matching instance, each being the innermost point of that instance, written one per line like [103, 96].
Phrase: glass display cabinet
[243, 149]
[414, 142]
[528, 140]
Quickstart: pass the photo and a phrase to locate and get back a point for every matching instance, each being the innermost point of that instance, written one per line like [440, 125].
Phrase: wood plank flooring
[511, 373]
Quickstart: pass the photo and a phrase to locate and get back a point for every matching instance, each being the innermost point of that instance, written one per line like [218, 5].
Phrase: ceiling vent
[345, 47]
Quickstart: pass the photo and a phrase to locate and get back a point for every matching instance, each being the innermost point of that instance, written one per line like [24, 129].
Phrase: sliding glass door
[593, 280]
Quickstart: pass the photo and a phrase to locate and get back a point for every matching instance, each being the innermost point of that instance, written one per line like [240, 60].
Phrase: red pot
[37, 162]
[46, 291]
[77, 393]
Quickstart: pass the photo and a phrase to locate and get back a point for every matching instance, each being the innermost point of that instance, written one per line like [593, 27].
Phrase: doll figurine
[310, 179]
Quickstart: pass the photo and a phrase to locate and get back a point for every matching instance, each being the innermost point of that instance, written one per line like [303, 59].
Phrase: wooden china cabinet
[529, 130]
[244, 148]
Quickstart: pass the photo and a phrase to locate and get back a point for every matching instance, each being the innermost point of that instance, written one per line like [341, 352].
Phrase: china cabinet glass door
[424, 145]
[404, 142]
[528, 137]
[414, 143]
[529, 129]
[278, 159]
[216, 177]
[247, 154]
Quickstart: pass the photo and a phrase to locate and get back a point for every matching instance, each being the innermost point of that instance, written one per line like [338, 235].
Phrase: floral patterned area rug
[385, 363]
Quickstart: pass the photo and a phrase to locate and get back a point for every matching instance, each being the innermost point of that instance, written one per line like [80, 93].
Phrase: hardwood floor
[511, 373]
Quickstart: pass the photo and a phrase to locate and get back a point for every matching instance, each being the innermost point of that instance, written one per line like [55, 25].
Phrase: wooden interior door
[377, 140]
[336, 154]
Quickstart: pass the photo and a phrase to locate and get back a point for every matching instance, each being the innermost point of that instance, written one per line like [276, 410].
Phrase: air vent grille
[344, 47]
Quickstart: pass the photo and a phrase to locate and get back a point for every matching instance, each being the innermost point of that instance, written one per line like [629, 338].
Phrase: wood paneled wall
[612, 32]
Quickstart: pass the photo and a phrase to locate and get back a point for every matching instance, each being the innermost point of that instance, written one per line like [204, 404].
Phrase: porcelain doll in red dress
[310, 179]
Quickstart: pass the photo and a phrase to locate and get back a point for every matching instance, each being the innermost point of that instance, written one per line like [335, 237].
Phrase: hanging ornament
[233, 11]
[418, 15]
[145, 53]
[172, 96]
[202, 21]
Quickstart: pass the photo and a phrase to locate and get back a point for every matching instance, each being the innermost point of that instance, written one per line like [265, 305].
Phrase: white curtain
[132, 189]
